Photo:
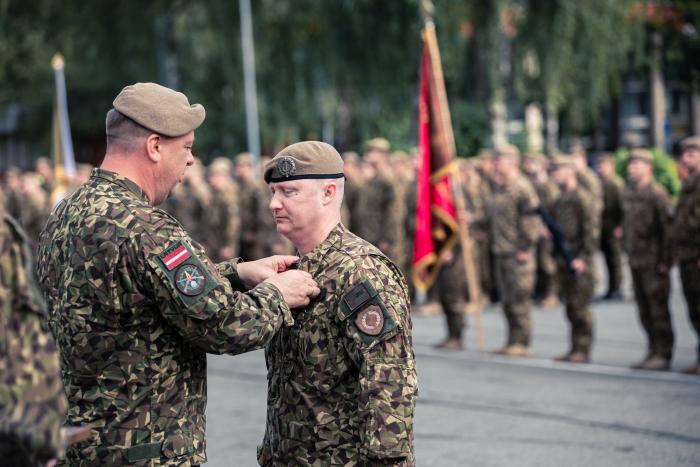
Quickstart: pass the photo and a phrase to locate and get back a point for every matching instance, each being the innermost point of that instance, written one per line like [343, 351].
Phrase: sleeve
[530, 228]
[200, 303]
[378, 335]
[665, 218]
[589, 242]
[32, 401]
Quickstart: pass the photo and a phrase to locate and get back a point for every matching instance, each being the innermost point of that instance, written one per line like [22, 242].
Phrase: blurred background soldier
[13, 193]
[686, 237]
[44, 169]
[373, 218]
[189, 201]
[32, 401]
[487, 274]
[222, 215]
[403, 170]
[249, 197]
[353, 185]
[590, 182]
[646, 228]
[573, 211]
[535, 168]
[514, 228]
[611, 224]
[35, 207]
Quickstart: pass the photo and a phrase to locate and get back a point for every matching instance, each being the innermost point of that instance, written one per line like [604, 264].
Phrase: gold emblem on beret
[370, 320]
[286, 166]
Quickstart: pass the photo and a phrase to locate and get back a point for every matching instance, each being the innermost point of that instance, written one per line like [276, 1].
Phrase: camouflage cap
[561, 161]
[691, 142]
[381, 144]
[508, 150]
[642, 155]
[307, 159]
[159, 109]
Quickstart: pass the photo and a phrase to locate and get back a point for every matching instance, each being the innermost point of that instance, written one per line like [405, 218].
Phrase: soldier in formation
[611, 224]
[342, 380]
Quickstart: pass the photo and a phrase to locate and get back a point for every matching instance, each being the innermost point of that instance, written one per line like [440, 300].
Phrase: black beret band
[301, 177]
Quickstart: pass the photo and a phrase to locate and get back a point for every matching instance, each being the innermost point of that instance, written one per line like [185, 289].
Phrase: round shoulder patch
[370, 320]
[190, 280]
[286, 166]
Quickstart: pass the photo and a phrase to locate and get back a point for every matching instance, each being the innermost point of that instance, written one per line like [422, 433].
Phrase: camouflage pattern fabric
[686, 232]
[32, 402]
[249, 200]
[545, 283]
[373, 217]
[451, 286]
[590, 182]
[223, 223]
[189, 204]
[612, 219]
[135, 305]
[574, 211]
[514, 226]
[342, 382]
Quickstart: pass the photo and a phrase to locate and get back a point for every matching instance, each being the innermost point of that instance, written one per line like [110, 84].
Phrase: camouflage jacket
[612, 204]
[590, 182]
[342, 383]
[514, 224]
[32, 402]
[686, 230]
[135, 305]
[646, 225]
[574, 212]
[223, 222]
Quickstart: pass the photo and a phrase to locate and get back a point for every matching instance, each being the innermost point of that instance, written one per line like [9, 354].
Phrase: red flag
[436, 218]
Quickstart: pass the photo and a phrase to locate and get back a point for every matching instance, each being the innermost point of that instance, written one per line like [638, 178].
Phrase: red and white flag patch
[176, 257]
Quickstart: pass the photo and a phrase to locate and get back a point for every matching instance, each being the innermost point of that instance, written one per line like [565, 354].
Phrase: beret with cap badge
[304, 160]
[159, 109]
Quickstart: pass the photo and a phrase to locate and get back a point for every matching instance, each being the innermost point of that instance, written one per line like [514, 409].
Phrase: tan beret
[244, 158]
[159, 109]
[307, 159]
[642, 155]
[690, 142]
[381, 144]
[561, 160]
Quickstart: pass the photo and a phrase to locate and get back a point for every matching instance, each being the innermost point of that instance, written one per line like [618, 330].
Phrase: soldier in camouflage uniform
[646, 228]
[373, 217]
[535, 168]
[686, 235]
[222, 219]
[611, 224]
[514, 229]
[574, 212]
[32, 402]
[342, 381]
[353, 184]
[135, 304]
[590, 182]
[249, 194]
[487, 276]
[189, 202]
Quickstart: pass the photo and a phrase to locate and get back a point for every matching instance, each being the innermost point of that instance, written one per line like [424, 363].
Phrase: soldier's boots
[451, 343]
[654, 363]
[693, 370]
[574, 357]
[514, 350]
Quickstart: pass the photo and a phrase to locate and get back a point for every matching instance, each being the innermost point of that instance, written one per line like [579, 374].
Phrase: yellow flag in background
[62, 143]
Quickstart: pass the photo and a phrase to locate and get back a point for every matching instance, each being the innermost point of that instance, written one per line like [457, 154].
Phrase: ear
[153, 147]
[329, 192]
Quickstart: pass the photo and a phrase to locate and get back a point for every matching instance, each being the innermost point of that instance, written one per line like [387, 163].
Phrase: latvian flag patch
[175, 256]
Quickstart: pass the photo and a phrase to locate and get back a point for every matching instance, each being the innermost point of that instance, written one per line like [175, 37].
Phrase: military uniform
[373, 217]
[546, 281]
[342, 382]
[514, 226]
[249, 196]
[574, 211]
[189, 204]
[686, 244]
[611, 220]
[589, 181]
[135, 305]
[32, 402]
[223, 222]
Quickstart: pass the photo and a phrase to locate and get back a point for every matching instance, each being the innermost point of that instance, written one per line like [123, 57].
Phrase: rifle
[561, 246]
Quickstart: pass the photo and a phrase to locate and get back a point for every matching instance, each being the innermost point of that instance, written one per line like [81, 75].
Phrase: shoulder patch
[185, 271]
[371, 317]
[175, 255]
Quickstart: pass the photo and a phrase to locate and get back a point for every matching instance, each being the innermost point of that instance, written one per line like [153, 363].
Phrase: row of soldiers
[537, 223]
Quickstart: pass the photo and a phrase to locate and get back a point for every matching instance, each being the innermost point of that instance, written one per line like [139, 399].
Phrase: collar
[120, 180]
[313, 260]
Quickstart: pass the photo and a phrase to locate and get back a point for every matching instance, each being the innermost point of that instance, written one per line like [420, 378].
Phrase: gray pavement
[478, 409]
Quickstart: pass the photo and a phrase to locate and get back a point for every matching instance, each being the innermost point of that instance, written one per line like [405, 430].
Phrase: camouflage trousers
[516, 282]
[483, 259]
[612, 251]
[576, 291]
[451, 286]
[546, 281]
[651, 291]
[690, 277]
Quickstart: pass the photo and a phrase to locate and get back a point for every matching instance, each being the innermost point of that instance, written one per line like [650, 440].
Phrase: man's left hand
[254, 272]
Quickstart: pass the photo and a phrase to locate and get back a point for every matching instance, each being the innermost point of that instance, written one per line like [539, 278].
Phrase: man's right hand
[297, 287]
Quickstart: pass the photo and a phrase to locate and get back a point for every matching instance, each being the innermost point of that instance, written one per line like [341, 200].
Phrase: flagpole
[464, 236]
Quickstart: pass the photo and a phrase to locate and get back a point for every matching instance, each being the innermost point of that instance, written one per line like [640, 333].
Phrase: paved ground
[476, 409]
